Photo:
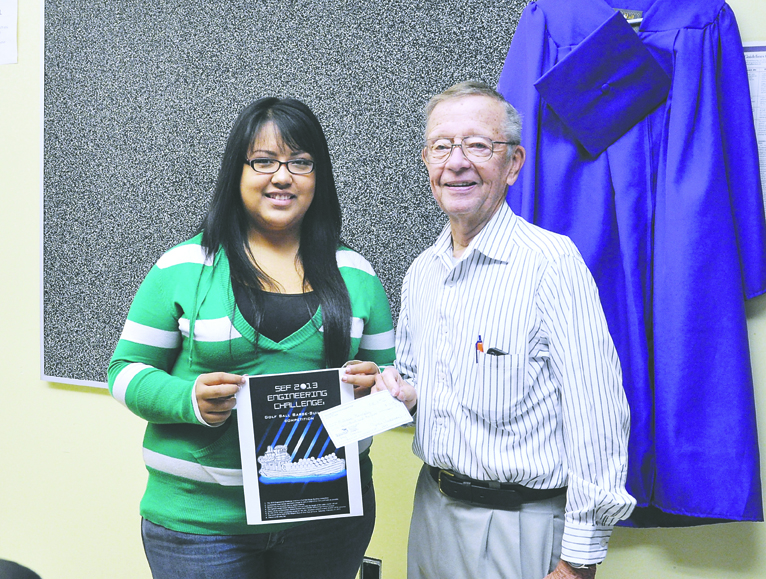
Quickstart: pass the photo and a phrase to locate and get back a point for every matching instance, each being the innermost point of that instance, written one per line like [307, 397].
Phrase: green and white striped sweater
[195, 476]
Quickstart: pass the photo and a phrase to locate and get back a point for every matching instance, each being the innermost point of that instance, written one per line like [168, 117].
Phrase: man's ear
[516, 163]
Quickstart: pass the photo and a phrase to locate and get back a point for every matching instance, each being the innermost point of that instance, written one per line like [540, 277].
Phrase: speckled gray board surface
[139, 100]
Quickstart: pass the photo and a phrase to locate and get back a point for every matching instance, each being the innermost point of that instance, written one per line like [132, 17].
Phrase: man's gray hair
[512, 127]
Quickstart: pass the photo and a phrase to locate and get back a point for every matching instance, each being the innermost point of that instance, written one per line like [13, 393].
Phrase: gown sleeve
[525, 63]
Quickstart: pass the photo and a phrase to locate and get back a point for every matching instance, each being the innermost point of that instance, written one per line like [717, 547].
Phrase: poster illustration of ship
[290, 467]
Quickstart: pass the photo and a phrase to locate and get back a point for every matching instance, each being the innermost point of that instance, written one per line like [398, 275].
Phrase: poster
[755, 59]
[291, 469]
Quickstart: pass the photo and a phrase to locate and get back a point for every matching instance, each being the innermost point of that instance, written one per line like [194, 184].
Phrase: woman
[264, 288]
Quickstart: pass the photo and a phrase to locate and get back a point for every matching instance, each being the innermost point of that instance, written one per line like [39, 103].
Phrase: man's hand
[565, 571]
[398, 387]
[215, 395]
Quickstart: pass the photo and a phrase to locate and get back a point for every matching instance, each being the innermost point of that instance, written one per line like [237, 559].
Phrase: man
[503, 351]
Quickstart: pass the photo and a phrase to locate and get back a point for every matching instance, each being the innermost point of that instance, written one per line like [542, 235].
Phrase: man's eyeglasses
[267, 165]
[477, 149]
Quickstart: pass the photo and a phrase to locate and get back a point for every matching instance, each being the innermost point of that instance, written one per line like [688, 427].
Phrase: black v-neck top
[283, 314]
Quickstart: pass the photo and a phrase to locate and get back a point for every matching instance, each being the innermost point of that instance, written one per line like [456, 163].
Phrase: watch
[581, 566]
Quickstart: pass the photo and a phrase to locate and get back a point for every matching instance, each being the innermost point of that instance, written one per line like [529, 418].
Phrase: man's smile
[459, 184]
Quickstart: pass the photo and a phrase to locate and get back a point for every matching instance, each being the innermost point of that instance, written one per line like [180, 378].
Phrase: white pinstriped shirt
[547, 412]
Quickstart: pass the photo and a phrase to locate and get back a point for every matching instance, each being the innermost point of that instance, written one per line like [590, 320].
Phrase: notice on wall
[755, 59]
[9, 19]
[291, 469]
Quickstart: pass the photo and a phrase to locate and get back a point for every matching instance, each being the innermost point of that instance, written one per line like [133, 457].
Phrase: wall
[71, 473]
[148, 144]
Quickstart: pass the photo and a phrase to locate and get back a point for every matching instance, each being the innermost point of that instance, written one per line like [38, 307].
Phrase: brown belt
[495, 495]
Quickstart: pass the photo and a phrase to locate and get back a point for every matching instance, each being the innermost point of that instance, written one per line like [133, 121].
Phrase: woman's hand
[398, 387]
[215, 395]
[361, 375]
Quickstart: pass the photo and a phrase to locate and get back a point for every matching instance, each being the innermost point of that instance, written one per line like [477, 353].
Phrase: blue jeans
[323, 549]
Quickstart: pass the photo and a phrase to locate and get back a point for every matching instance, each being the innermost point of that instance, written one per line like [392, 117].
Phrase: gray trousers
[450, 539]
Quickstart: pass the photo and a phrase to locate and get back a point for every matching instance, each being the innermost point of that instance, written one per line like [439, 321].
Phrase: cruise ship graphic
[277, 466]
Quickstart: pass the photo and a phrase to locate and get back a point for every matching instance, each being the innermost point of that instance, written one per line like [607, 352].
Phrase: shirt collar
[493, 240]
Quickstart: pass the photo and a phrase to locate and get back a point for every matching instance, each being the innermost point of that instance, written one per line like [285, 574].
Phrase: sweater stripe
[184, 254]
[215, 330]
[228, 477]
[148, 336]
[353, 259]
[357, 327]
[382, 341]
[123, 380]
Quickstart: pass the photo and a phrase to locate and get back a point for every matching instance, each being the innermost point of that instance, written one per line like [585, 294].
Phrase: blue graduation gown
[670, 219]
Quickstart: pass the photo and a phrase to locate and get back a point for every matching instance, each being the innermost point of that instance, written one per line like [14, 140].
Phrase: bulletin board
[139, 99]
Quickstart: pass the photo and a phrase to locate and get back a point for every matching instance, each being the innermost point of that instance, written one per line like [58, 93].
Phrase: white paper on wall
[755, 59]
[9, 10]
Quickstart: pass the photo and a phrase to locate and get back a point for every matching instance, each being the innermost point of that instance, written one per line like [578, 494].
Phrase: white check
[364, 417]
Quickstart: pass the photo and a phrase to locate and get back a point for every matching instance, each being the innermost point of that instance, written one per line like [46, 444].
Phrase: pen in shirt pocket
[490, 351]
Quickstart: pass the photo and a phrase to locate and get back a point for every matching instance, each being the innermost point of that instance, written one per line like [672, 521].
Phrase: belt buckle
[441, 472]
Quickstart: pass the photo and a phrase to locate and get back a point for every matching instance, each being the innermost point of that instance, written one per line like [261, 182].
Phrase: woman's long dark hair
[227, 222]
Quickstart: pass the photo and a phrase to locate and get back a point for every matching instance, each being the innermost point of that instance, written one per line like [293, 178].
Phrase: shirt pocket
[497, 388]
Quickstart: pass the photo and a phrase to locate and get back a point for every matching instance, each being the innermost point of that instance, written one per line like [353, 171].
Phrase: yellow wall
[71, 473]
